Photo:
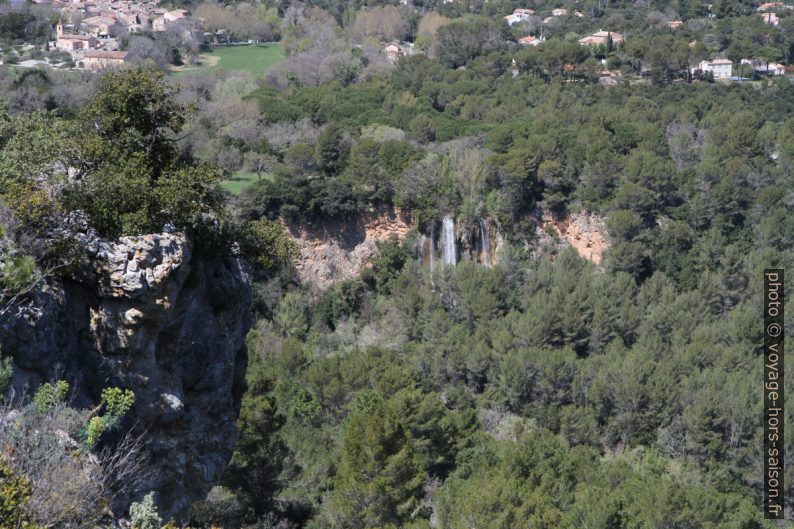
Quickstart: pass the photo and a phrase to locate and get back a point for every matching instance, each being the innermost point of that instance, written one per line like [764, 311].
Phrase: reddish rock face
[586, 232]
[341, 249]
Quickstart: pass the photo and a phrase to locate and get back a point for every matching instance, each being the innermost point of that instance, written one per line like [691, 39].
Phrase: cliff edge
[146, 314]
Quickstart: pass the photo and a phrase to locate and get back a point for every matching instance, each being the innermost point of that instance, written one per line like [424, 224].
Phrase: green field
[254, 58]
[239, 181]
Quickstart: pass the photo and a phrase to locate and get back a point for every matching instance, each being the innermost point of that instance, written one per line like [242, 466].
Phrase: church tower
[59, 27]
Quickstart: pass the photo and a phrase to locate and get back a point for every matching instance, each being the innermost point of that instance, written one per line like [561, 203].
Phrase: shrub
[117, 401]
[143, 515]
[6, 370]
[15, 492]
[70, 487]
[49, 395]
[96, 427]
[266, 243]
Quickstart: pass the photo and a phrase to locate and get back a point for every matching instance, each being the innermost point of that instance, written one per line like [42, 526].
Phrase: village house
[71, 42]
[768, 6]
[763, 67]
[720, 68]
[770, 18]
[396, 49]
[101, 60]
[131, 21]
[531, 40]
[559, 12]
[168, 18]
[99, 26]
[608, 78]
[519, 15]
[600, 38]
[675, 24]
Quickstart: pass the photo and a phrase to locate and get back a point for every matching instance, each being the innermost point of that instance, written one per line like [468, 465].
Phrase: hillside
[447, 265]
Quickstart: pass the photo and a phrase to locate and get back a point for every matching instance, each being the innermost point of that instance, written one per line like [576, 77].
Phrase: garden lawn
[254, 58]
[238, 181]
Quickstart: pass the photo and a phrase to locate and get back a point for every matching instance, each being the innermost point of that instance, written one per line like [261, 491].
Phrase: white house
[514, 18]
[765, 67]
[169, 17]
[601, 37]
[101, 60]
[720, 68]
[770, 18]
[519, 15]
[396, 49]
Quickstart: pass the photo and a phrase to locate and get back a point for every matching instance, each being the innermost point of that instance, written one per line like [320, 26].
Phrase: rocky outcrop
[341, 249]
[585, 232]
[145, 313]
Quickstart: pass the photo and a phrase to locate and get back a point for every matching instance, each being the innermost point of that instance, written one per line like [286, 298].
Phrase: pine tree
[380, 473]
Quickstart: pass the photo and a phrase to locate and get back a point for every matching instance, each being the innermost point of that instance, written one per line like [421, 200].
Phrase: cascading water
[485, 243]
[432, 248]
[448, 249]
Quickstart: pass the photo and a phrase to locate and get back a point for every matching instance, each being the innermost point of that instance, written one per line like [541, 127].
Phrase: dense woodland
[542, 392]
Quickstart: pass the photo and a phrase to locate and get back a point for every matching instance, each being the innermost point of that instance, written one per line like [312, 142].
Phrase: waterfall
[432, 248]
[485, 243]
[448, 249]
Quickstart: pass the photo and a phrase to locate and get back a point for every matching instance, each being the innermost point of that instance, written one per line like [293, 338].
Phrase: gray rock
[144, 313]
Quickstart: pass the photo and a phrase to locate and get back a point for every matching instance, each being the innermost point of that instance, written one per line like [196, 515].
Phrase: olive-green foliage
[258, 459]
[390, 257]
[94, 429]
[18, 271]
[116, 403]
[549, 393]
[541, 481]
[340, 301]
[380, 473]
[48, 395]
[6, 371]
[266, 243]
[130, 176]
[15, 492]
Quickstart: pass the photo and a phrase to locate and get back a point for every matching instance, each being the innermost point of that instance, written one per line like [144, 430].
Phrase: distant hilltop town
[92, 40]
[89, 32]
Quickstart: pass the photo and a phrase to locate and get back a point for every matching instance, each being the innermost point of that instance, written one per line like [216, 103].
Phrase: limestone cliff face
[586, 232]
[144, 313]
[341, 249]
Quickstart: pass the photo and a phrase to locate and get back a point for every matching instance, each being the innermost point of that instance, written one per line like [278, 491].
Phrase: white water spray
[485, 243]
[449, 254]
[432, 248]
